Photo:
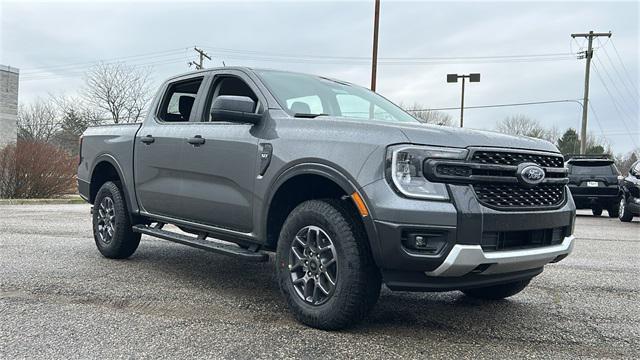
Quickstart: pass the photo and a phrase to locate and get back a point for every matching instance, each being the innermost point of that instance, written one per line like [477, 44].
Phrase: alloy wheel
[313, 265]
[106, 220]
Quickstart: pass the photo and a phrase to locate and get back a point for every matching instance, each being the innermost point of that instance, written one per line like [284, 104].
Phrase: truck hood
[457, 137]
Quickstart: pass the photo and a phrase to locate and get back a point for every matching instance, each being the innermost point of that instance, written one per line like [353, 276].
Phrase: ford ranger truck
[348, 190]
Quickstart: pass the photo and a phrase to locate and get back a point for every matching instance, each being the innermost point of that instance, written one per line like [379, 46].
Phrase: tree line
[111, 94]
[43, 162]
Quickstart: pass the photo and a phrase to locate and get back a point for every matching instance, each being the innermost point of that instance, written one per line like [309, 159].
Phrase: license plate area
[592, 183]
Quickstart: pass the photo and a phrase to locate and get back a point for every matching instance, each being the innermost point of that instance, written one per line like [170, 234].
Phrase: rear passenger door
[220, 172]
[159, 149]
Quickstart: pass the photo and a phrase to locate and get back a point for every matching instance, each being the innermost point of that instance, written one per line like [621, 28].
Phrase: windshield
[584, 169]
[309, 95]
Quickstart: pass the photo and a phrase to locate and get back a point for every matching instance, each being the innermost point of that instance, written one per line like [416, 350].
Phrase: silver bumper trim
[464, 258]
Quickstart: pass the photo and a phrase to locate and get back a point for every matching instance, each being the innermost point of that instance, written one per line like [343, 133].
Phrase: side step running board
[202, 244]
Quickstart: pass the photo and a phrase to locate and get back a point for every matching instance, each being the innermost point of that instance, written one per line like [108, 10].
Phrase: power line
[387, 62]
[614, 102]
[621, 110]
[633, 141]
[624, 68]
[79, 70]
[78, 73]
[622, 79]
[501, 105]
[153, 54]
[620, 93]
[365, 58]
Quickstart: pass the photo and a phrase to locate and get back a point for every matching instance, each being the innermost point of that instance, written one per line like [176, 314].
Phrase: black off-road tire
[613, 210]
[357, 283]
[596, 211]
[623, 211]
[497, 292]
[124, 241]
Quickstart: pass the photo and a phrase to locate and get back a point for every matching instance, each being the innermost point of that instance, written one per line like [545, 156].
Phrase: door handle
[196, 140]
[148, 139]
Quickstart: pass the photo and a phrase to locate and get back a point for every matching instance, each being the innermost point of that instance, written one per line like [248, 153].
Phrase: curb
[58, 201]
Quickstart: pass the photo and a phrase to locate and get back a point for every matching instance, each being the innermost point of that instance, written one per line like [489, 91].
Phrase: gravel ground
[60, 299]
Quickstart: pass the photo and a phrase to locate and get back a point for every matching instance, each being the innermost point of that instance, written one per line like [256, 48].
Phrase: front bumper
[464, 259]
[464, 225]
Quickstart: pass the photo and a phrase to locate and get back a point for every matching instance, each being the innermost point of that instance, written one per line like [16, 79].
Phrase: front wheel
[324, 266]
[111, 226]
[623, 212]
[596, 211]
[498, 292]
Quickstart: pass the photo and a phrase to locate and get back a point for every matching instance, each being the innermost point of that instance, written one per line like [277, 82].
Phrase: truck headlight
[404, 168]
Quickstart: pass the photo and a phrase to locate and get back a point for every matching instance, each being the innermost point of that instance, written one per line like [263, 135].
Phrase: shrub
[34, 169]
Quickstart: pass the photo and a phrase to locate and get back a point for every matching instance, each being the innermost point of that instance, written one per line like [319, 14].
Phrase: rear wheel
[324, 266]
[623, 212]
[111, 226]
[497, 292]
[597, 211]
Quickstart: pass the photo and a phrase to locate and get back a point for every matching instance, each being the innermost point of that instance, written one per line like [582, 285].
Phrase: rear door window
[178, 101]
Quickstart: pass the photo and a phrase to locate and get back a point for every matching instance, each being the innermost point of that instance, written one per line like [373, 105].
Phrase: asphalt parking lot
[60, 299]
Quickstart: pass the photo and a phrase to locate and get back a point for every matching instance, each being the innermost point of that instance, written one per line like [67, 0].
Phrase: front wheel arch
[330, 174]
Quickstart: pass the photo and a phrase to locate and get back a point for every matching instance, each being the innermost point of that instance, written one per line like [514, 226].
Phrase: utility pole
[585, 102]
[199, 65]
[374, 62]
[453, 78]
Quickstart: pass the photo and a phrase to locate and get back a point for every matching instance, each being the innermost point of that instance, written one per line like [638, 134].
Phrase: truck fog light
[431, 242]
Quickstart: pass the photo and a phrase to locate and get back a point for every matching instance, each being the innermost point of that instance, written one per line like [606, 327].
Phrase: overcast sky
[53, 43]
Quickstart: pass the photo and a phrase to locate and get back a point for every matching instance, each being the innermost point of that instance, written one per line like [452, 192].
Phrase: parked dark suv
[629, 205]
[593, 181]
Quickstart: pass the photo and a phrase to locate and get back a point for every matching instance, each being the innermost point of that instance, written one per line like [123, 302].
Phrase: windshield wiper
[308, 116]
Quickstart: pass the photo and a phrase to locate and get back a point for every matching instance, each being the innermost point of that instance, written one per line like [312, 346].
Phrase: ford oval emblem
[530, 174]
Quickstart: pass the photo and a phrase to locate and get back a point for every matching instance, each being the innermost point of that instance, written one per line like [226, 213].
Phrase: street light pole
[462, 106]
[453, 78]
[374, 57]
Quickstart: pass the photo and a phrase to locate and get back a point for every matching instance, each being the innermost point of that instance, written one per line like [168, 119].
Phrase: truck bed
[108, 142]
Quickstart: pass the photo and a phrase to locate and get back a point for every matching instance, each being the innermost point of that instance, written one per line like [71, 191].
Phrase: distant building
[8, 104]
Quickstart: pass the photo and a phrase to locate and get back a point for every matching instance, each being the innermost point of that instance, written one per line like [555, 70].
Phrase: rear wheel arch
[107, 168]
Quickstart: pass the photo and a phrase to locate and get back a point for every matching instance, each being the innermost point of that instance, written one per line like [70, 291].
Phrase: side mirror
[238, 109]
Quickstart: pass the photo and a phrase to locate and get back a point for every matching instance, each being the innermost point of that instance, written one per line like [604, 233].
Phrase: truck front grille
[493, 175]
[516, 196]
[515, 158]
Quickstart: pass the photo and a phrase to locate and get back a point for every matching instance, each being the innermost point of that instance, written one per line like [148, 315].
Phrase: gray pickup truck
[345, 187]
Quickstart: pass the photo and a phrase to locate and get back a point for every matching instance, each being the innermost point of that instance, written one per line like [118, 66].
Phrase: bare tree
[624, 161]
[39, 120]
[429, 116]
[76, 116]
[119, 90]
[521, 125]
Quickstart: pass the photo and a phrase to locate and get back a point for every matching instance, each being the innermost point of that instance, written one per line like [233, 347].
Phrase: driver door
[219, 174]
